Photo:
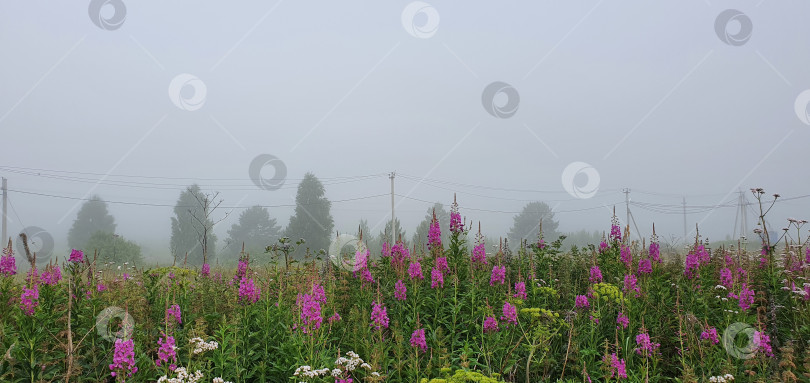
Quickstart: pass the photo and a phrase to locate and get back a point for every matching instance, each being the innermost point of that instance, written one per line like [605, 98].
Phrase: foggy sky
[644, 92]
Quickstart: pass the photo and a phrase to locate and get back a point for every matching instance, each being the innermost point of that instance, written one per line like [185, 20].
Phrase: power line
[170, 205]
[502, 211]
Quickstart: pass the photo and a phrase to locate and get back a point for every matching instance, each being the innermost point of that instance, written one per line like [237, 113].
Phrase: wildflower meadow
[619, 310]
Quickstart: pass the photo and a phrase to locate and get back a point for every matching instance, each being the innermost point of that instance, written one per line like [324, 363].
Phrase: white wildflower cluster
[720, 287]
[201, 346]
[308, 372]
[220, 380]
[721, 378]
[182, 376]
[351, 362]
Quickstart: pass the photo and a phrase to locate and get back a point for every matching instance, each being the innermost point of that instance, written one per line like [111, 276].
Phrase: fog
[646, 95]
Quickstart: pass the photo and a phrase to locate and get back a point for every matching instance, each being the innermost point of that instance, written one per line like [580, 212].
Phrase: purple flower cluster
[76, 256]
[710, 334]
[415, 270]
[618, 367]
[174, 312]
[631, 284]
[123, 358]
[167, 351]
[490, 324]
[623, 320]
[379, 316]
[400, 290]
[603, 246]
[581, 301]
[644, 266]
[418, 339]
[435, 235]
[441, 264]
[206, 270]
[456, 226]
[645, 345]
[763, 342]
[595, 275]
[498, 275]
[615, 231]
[311, 318]
[655, 252]
[726, 277]
[29, 300]
[437, 279]
[479, 254]
[626, 257]
[399, 254]
[520, 290]
[8, 266]
[52, 275]
[248, 292]
[509, 312]
[746, 297]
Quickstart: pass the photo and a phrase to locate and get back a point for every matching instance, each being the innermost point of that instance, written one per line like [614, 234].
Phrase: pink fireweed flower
[123, 358]
[174, 312]
[623, 320]
[334, 318]
[435, 235]
[710, 334]
[437, 279]
[418, 339]
[361, 260]
[76, 256]
[490, 324]
[655, 252]
[318, 293]
[167, 352]
[541, 244]
[8, 265]
[399, 254]
[581, 301]
[520, 290]
[509, 313]
[626, 257]
[498, 275]
[746, 297]
[366, 276]
[645, 345]
[618, 367]
[310, 317]
[100, 287]
[386, 250]
[596, 275]
[51, 276]
[479, 254]
[379, 316]
[603, 246]
[415, 270]
[807, 255]
[692, 265]
[400, 290]
[644, 266]
[29, 300]
[763, 342]
[248, 292]
[615, 230]
[631, 284]
[441, 264]
[807, 291]
[206, 270]
[726, 277]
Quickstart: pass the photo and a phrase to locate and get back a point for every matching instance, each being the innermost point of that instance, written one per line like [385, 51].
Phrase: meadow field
[615, 311]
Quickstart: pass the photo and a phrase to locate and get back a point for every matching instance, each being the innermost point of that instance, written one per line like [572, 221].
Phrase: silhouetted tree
[114, 248]
[91, 218]
[527, 224]
[192, 227]
[312, 220]
[255, 229]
